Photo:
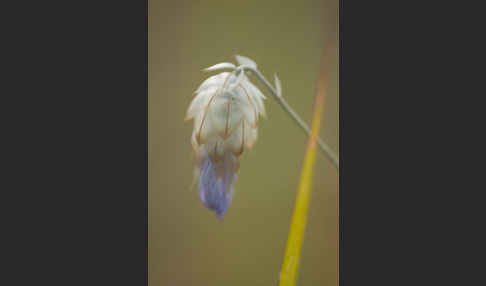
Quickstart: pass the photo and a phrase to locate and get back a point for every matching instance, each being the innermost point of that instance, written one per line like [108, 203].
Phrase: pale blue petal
[215, 193]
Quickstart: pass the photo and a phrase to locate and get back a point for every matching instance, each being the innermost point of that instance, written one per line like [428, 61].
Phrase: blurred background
[188, 245]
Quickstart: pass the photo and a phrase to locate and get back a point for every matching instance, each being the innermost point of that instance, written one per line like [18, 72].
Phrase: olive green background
[188, 245]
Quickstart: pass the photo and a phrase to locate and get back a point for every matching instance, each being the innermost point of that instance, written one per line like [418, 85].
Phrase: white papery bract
[225, 110]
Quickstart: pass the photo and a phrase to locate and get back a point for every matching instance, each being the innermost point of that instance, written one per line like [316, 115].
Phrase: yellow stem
[291, 260]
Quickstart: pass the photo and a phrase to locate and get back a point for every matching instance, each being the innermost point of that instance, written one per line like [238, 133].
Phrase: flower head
[225, 110]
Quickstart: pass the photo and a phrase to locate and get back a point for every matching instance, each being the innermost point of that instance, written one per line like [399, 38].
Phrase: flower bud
[225, 110]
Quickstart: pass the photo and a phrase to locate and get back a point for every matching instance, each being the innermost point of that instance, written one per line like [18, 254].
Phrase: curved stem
[322, 146]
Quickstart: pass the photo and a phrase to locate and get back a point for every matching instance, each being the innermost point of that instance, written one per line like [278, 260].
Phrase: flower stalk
[297, 119]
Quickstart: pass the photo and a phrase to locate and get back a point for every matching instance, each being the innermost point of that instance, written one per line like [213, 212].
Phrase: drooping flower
[225, 110]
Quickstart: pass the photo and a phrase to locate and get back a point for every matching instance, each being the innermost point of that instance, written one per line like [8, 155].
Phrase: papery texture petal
[224, 111]
[243, 107]
[254, 89]
[218, 113]
[251, 137]
[215, 148]
[207, 126]
[197, 121]
[213, 121]
[215, 80]
[220, 66]
[235, 141]
[257, 97]
[194, 144]
[242, 60]
[260, 106]
[200, 101]
[218, 117]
